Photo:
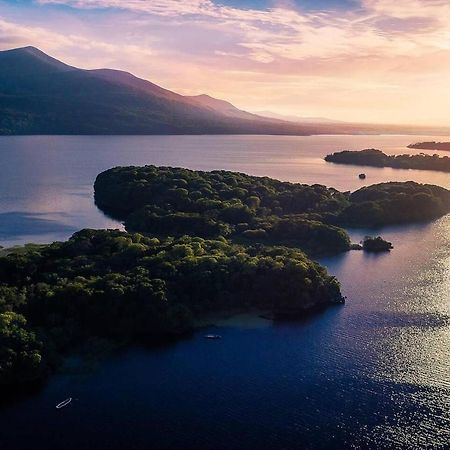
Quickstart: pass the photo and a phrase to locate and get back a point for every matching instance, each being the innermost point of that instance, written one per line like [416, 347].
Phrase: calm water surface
[46, 183]
[374, 373]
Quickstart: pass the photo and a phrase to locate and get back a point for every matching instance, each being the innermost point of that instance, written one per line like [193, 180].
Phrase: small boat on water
[362, 176]
[64, 403]
[213, 336]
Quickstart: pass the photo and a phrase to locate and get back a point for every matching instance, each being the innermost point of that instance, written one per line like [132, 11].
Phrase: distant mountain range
[297, 119]
[41, 95]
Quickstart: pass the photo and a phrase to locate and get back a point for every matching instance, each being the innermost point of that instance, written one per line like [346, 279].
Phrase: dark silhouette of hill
[41, 95]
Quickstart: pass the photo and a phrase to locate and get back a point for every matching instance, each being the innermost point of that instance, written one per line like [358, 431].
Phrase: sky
[378, 61]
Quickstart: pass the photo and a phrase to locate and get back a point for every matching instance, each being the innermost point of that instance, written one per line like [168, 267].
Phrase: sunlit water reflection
[372, 374]
[399, 310]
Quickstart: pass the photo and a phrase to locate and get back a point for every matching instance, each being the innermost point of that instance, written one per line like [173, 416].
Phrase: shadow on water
[17, 223]
[321, 313]
[358, 234]
[84, 362]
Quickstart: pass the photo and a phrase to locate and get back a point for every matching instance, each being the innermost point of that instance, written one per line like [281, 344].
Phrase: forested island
[376, 244]
[197, 243]
[376, 158]
[248, 209]
[121, 285]
[431, 145]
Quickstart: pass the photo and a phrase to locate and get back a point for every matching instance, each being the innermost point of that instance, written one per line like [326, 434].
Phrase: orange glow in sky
[384, 61]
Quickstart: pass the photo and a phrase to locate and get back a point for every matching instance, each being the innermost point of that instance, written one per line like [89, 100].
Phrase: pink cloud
[326, 63]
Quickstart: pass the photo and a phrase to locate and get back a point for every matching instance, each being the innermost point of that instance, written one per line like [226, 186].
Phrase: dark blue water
[374, 373]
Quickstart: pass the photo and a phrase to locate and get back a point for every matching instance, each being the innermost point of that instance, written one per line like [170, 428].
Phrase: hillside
[41, 95]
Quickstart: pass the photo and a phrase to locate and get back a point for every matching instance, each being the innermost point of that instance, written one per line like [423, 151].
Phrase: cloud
[326, 62]
[404, 9]
[17, 35]
[380, 27]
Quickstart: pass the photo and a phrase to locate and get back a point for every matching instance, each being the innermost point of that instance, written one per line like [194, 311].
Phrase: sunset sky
[385, 61]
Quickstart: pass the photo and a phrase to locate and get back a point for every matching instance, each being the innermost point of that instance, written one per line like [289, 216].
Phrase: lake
[47, 181]
[374, 373]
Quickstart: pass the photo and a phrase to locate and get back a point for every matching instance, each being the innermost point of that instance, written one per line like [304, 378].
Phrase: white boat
[64, 403]
[213, 336]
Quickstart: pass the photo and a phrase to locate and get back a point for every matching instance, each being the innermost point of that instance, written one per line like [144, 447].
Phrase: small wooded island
[376, 244]
[198, 243]
[376, 158]
[431, 145]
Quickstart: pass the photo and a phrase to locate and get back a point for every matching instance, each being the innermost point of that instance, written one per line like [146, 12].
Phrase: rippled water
[398, 310]
[374, 373]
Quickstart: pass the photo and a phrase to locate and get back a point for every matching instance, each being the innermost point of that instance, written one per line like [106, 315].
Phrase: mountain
[224, 107]
[41, 95]
[297, 119]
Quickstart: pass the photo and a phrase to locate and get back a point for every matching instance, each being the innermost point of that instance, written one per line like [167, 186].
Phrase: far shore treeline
[197, 243]
[376, 158]
[431, 145]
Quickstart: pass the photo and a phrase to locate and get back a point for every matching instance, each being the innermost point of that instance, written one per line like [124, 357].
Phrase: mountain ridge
[297, 119]
[42, 95]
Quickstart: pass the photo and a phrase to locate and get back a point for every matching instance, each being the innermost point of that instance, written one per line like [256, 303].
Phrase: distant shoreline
[376, 158]
[412, 146]
[432, 145]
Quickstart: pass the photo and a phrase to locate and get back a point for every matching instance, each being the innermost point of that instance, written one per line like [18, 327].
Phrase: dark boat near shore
[362, 176]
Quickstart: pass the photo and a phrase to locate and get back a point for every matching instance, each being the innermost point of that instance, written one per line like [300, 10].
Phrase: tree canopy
[116, 284]
[175, 201]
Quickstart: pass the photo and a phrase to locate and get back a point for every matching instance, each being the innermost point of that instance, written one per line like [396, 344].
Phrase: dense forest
[395, 203]
[164, 200]
[114, 284]
[376, 158]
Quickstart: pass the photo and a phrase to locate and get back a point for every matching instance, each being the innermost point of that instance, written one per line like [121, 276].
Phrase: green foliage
[11, 298]
[376, 244]
[257, 234]
[123, 190]
[113, 284]
[20, 351]
[392, 203]
[175, 201]
[176, 224]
